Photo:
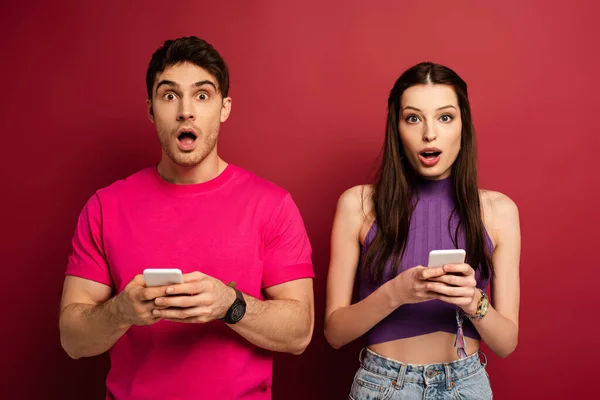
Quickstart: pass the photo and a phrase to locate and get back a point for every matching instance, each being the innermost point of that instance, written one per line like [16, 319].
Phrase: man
[239, 240]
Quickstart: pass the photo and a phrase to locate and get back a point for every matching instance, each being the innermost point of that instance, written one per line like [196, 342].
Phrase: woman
[424, 325]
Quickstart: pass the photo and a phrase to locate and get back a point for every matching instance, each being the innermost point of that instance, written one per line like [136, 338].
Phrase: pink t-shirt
[235, 227]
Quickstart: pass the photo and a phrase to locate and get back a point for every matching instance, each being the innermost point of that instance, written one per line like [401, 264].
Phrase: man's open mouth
[187, 137]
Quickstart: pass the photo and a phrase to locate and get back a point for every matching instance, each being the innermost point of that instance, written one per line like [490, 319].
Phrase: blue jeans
[381, 378]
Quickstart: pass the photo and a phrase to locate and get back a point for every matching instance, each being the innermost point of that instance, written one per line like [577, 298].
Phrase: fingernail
[159, 301]
[155, 312]
[170, 290]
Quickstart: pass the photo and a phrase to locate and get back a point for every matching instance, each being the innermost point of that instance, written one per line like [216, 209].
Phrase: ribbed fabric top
[429, 230]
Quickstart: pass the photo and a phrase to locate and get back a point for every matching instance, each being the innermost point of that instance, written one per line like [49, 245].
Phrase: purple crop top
[428, 231]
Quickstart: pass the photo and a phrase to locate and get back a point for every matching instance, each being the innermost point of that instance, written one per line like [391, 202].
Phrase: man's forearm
[277, 325]
[87, 330]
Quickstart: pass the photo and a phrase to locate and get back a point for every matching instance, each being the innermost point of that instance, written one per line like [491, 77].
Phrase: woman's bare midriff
[432, 348]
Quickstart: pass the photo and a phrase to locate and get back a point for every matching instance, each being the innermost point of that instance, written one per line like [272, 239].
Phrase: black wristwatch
[237, 310]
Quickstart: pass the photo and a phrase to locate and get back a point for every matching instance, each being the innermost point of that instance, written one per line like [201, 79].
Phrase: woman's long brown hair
[396, 182]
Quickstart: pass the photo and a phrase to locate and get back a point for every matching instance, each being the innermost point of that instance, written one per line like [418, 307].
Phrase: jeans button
[430, 373]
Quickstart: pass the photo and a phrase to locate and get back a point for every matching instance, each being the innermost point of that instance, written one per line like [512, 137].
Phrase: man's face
[187, 109]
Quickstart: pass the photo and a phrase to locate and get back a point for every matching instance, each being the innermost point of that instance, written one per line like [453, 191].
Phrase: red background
[309, 84]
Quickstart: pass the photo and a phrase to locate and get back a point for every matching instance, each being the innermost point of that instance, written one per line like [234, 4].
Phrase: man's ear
[226, 109]
[149, 110]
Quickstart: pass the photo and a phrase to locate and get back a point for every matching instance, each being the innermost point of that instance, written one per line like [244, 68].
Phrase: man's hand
[200, 299]
[136, 302]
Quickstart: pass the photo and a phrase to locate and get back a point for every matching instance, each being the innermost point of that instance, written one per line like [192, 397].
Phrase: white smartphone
[439, 258]
[162, 276]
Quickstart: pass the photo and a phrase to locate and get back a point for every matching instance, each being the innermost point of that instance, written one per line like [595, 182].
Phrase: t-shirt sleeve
[288, 253]
[87, 259]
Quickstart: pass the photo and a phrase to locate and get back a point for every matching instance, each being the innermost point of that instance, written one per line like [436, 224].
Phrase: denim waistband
[426, 374]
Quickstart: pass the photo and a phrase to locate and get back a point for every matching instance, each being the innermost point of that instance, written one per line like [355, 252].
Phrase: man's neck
[205, 171]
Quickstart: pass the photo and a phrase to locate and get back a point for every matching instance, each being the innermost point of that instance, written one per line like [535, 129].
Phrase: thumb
[418, 271]
[193, 276]
[138, 280]
[431, 272]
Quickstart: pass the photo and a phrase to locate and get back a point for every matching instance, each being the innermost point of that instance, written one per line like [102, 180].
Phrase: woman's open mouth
[430, 157]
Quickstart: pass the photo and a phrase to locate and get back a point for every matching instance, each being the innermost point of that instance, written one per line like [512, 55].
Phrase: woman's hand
[456, 286]
[410, 286]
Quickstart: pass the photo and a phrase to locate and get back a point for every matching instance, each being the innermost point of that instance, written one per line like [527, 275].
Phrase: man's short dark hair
[192, 50]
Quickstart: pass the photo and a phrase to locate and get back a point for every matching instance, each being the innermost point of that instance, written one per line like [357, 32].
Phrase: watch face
[484, 307]
[238, 312]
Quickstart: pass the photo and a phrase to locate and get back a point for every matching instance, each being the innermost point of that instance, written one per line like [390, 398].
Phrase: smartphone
[162, 276]
[439, 258]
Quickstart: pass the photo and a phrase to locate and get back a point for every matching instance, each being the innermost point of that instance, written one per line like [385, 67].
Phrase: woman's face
[430, 129]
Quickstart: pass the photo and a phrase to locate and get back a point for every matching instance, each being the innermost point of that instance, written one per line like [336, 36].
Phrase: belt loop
[484, 363]
[360, 356]
[401, 374]
[448, 372]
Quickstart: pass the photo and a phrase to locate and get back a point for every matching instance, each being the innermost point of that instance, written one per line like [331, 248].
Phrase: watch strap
[482, 307]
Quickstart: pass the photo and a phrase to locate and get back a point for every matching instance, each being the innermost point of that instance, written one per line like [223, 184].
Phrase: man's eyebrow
[205, 82]
[166, 82]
